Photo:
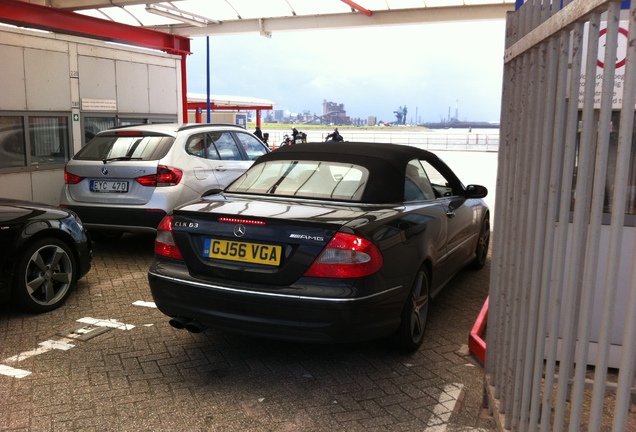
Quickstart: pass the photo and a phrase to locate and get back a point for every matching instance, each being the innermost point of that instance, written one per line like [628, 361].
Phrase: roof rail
[198, 125]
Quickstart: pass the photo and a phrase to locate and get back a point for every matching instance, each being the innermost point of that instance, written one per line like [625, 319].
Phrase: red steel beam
[357, 7]
[198, 117]
[23, 14]
[204, 105]
[201, 106]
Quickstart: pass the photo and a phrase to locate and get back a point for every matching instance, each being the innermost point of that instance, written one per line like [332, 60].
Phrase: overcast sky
[430, 68]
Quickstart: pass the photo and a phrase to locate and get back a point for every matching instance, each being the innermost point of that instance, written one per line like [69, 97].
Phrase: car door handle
[220, 168]
[450, 214]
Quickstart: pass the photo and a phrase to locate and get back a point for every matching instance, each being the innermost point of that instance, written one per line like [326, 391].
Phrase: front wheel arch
[483, 244]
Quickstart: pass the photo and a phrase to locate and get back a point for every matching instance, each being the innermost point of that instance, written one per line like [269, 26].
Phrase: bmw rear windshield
[126, 147]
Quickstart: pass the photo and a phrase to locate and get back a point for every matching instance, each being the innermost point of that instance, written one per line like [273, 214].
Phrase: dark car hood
[17, 211]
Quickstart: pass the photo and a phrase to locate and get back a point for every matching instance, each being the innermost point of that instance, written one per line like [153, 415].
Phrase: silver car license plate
[109, 186]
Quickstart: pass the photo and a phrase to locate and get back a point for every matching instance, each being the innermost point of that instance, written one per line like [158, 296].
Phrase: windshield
[306, 179]
[125, 147]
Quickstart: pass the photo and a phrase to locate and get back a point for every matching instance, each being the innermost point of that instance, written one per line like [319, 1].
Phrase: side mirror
[476, 191]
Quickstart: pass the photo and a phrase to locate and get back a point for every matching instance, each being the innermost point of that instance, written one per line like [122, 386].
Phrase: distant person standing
[334, 136]
[258, 133]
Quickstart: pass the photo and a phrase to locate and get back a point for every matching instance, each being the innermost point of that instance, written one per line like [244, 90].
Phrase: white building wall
[50, 74]
[104, 68]
[12, 86]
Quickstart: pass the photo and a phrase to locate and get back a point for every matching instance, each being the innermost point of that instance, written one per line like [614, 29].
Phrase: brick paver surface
[154, 378]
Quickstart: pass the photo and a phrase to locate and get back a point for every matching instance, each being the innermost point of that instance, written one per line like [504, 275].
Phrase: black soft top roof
[386, 163]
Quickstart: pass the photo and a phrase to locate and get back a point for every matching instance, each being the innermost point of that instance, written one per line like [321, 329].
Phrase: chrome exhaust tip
[194, 327]
[179, 322]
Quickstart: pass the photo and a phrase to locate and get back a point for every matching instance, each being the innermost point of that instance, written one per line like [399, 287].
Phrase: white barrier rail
[482, 140]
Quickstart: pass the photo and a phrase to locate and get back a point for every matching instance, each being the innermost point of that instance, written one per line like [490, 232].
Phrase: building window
[12, 145]
[30, 141]
[133, 121]
[92, 125]
[49, 140]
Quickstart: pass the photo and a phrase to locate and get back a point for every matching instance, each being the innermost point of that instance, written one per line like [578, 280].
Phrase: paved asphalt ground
[84, 367]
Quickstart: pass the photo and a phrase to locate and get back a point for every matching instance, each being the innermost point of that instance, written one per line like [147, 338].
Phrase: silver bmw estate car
[127, 179]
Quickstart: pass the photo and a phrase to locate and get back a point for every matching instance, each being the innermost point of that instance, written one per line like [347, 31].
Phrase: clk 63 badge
[186, 224]
[242, 251]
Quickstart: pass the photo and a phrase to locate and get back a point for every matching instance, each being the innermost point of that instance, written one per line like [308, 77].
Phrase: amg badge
[307, 237]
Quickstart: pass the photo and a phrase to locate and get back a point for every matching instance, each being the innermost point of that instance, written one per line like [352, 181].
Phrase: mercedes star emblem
[239, 230]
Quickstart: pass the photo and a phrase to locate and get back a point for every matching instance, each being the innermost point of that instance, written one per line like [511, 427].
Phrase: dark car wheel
[410, 334]
[481, 251]
[106, 236]
[45, 275]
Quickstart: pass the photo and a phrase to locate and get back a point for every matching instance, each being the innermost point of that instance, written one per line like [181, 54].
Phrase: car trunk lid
[112, 183]
[262, 242]
[111, 167]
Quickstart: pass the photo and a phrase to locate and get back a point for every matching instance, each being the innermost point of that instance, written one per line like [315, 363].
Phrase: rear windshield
[136, 147]
[305, 179]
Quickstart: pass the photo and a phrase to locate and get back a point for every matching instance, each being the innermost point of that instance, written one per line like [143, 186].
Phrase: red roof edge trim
[247, 107]
[23, 14]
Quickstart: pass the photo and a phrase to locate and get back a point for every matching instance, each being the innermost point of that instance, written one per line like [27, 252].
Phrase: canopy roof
[168, 25]
[213, 17]
[225, 101]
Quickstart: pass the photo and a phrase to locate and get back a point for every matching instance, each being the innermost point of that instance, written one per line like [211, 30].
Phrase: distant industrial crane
[400, 115]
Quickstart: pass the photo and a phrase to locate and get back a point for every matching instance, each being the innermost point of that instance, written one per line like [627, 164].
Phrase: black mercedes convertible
[322, 243]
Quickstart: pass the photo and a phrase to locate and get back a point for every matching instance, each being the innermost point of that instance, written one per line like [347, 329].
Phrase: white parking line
[13, 372]
[45, 346]
[444, 409]
[60, 344]
[27, 354]
[106, 323]
[145, 304]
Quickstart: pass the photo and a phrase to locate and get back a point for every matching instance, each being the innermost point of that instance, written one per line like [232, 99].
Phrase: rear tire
[46, 272]
[410, 335]
[483, 243]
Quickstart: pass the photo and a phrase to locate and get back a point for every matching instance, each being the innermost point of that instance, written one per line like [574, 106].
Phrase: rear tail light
[71, 178]
[347, 256]
[165, 176]
[165, 245]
